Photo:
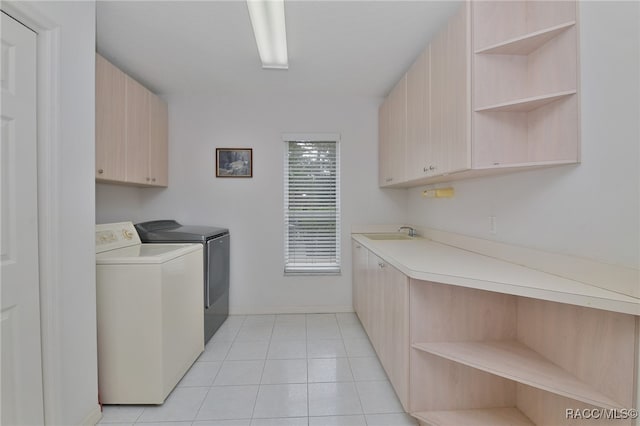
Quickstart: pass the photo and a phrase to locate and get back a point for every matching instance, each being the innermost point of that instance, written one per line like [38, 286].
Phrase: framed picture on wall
[234, 162]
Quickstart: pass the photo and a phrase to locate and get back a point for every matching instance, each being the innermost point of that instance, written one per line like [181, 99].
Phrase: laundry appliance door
[216, 308]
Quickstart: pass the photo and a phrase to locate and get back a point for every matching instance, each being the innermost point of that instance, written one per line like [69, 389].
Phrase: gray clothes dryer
[216, 243]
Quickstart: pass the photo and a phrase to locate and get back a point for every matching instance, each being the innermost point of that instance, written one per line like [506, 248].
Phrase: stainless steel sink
[388, 236]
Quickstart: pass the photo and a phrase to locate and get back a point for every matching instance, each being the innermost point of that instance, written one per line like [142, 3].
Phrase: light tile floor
[278, 370]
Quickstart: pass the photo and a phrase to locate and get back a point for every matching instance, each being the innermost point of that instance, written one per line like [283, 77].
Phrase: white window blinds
[312, 206]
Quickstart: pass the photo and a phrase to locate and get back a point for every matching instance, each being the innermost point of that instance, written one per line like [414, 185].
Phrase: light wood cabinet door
[375, 301]
[450, 101]
[395, 331]
[418, 148]
[439, 103]
[393, 120]
[381, 300]
[398, 129]
[110, 122]
[158, 141]
[458, 82]
[359, 281]
[137, 132]
[384, 144]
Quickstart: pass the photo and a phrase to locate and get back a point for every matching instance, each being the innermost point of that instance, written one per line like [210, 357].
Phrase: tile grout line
[140, 415]
[218, 372]
[355, 383]
[264, 363]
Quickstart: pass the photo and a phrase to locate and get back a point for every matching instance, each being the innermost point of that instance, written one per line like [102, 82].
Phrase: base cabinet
[359, 256]
[381, 301]
[394, 335]
[463, 356]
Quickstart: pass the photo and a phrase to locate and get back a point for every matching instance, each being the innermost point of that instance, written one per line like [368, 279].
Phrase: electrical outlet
[493, 230]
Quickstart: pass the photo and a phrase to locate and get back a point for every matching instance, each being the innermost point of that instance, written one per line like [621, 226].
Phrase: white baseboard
[93, 417]
[262, 310]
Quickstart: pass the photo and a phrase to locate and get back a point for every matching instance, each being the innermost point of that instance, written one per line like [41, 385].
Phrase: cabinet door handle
[100, 171]
[358, 246]
[388, 179]
[148, 179]
[381, 264]
[153, 180]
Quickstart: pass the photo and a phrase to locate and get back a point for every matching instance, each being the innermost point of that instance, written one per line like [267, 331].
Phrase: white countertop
[428, 260]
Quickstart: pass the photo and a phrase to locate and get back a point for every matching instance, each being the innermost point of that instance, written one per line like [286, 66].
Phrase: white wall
[66, 185]
[253, 208]
[592, 209]
[589, 210]
[118, 201]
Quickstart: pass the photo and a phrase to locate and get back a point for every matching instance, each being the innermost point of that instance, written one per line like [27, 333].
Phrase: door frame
[48, 146]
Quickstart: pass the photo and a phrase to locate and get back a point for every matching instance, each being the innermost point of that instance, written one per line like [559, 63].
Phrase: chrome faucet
[412, 232]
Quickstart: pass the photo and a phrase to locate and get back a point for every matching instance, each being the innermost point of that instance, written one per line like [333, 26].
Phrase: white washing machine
[150, 314]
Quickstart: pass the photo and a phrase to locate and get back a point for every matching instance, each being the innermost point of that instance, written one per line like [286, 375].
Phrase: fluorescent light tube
[267, 19]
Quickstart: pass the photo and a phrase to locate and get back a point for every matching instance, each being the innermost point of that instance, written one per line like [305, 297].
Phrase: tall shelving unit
[525, 83]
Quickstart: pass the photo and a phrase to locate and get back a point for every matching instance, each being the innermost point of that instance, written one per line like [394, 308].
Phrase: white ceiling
[207, 47]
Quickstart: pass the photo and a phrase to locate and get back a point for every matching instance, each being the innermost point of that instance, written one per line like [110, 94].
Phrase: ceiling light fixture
[267, 19]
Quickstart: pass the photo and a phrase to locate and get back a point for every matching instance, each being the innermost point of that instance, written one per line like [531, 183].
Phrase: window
[312, 204]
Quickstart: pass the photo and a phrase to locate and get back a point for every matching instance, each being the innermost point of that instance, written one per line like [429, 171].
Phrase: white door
[21, 388]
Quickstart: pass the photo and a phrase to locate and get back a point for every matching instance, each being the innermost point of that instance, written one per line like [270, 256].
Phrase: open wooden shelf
[527, 43]
[526, 104]
[514, 361]
[508, 416]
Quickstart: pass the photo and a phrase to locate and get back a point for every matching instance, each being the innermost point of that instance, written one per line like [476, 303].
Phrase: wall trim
[261, 310]
[93, 417]
[48, 145]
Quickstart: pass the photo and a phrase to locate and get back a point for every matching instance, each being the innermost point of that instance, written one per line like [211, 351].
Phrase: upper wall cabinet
[525, 85]
[158, 141]
[392, 136]
[137, 132]
[496, 90]
[131, 130]
[110, 122]
[418, 152]
[450, 103]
